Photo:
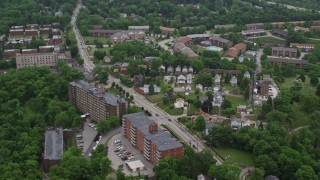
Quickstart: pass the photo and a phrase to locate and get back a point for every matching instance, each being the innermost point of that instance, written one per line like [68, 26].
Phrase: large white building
[36, 59]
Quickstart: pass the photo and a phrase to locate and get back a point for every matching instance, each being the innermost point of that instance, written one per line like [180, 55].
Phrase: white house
[190, 70]
[188, 87]
[200, 87]
[167, 79]
[237, 124]
[179, 103]
[217, 99]
[170, 70]
[145, 89]
[246, 75]
[178, 70]
[162, 68]
[217, 80]
[189, 78]
[181, 79]
[234, 81]
[184, 70]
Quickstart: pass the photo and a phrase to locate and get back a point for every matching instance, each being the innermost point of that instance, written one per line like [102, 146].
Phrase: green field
[235, 156]
[269, 39]
[235, 101]
[113, 91]
[90, 40]
[169, 109]
[154, 98]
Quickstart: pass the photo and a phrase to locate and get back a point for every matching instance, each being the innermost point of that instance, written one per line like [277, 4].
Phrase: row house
[299, 63]
[303, 47]
[184, 79]
[284, 52]
[236, 50]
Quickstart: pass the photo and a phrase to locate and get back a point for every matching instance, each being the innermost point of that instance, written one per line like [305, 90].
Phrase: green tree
[200, 123]
[151, 89]
[165, 100]
[267, 50]
[226, 104]
[204, 78]
[314, 80]
[99, 54]
[120, 175]
[74, 50]
[226, 171]
[305, 172]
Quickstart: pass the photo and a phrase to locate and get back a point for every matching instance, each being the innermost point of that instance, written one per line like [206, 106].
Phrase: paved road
[163, 45]
[88, 64]
[139, 99]
[163, 117]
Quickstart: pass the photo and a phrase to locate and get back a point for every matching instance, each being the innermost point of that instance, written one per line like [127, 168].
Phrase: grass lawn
[268, 39]
[113, 91]
[307, 87]
[90, 40]
[171, 111]
[233, 90]
[236, 156]
[154, 98]
[313, 41]
[235, 101]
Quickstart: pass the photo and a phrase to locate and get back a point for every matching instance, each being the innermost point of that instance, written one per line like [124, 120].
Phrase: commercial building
[153, 142]
[36, 59]
[53, 148]
[97, 103]
[284, 52]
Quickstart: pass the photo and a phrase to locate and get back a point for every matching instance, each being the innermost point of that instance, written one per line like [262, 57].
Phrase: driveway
[116, 161]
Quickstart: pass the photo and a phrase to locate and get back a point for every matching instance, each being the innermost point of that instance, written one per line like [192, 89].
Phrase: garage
[135, 165]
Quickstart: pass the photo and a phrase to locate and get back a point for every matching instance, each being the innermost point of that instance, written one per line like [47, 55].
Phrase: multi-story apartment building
[36, 59]
[98, 104]
[284, 52]
[144, 134]
[303, 47]
[53, 148]
[221, 42]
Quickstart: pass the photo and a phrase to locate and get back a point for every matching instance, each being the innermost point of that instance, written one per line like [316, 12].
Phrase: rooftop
[217, 38]
[166, 28]
[53, 149]
[284, 49]
[109, 98]
[162, 139]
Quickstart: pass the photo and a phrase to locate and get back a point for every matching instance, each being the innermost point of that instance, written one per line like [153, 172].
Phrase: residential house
[122, 67]
[217, 99]
[247, 75]
[178, 70]
[179, 103]
[203, 98]
[253, 33]
[217, 80]
[190, 70]
[170, 70]
[200, 87]
[166, 30]
[148, 61]
[181, 79]
[221, 42]
[263, 85]
[284, 52]
[244, 109]
[189, 78]
[162, 69]
[236, 123]
[145, 89]
[138, 80]
[234, 81]
[303, 47]
[167, 79]
[188, 88]
[184, 70]
[280, 33]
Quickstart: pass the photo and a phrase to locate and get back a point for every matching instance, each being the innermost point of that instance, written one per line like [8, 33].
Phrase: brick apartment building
[100, 105]
[32, 26]
[253, 33]
[153, 142]
[45, 49]
[53, 148]
[28, 51]
[166, 30]
[102, 32]
[299, 63]
[284, 52]
[16, 32]
[221, 42]
[9, 53]
[236, 50]
[36, 59]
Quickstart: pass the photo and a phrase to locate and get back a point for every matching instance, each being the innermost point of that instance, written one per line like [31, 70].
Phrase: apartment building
[102, 32]
[253, 33]
[153, 142]
[166, 30]
[284, 52]
[97, 103]
[36, 59]
[221, 42]
[299, 63]
[9, 53]
[122, 36]
[303, 47]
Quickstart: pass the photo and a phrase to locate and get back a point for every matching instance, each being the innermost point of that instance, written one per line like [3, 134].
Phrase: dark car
[157, 114]
[169, 120]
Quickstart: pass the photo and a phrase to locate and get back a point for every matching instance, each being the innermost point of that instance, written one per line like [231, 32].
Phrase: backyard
[235, 156]
[235, 101]
[90, 40]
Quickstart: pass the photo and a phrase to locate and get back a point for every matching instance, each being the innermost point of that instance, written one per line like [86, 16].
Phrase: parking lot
[85, 138]
[126, 152]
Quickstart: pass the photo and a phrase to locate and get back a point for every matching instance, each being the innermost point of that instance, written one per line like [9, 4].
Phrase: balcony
[146, 148]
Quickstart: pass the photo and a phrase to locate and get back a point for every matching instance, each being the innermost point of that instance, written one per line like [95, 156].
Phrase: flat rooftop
[109, 98]
[53, 149]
